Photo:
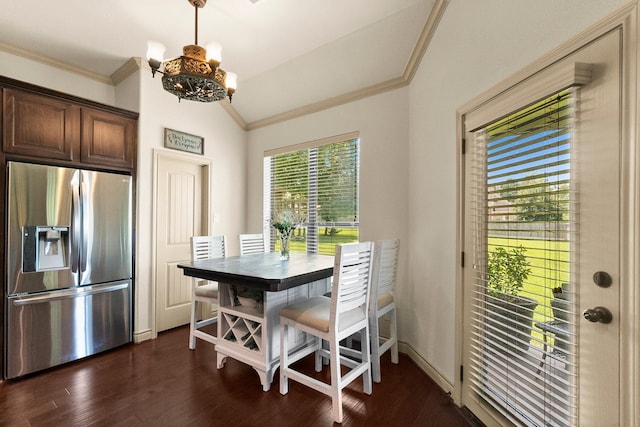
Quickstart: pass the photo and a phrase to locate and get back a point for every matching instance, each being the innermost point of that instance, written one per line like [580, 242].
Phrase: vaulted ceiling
[291, 56]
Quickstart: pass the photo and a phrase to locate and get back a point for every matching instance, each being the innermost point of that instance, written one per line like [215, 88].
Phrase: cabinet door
[40, 126]
[107, 139]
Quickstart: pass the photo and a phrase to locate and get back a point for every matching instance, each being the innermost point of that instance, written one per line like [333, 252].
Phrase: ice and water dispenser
[45, 248]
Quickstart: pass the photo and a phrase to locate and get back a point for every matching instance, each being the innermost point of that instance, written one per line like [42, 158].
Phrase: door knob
[598, 314]
[602, 279]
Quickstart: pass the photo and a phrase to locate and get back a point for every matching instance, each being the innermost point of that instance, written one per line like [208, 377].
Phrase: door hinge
[464, 145]
[462, 259]
[461, 372]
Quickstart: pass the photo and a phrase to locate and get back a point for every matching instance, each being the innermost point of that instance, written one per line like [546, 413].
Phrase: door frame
[206, 209]
[626, 18]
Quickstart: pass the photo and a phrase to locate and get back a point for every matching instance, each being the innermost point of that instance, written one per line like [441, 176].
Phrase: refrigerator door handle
[66, 293]
[85, 183]
[76, 221]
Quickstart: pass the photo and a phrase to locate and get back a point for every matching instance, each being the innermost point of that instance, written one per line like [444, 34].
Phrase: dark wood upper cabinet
[42, 124]
[107, 139]
[35, 125]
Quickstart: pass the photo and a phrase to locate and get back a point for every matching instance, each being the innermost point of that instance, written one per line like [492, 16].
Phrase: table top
[263, 271]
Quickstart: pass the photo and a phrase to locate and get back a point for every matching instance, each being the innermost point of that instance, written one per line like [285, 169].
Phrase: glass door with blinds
[524, 335]
[541, 229]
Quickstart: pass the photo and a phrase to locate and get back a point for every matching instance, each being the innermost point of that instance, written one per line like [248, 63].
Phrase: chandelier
[194, 76]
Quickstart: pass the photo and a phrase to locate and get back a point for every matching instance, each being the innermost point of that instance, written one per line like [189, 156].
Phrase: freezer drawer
[51, 328]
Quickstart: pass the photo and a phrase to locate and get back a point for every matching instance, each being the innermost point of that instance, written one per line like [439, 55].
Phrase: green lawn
[327, 242]
[549, 263]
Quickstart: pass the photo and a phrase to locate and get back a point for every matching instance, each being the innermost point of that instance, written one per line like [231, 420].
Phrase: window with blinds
[523, 346]
[317, 186]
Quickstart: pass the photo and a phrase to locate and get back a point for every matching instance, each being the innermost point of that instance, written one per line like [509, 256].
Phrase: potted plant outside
[510, 315]
[560, 306]
[560, 303]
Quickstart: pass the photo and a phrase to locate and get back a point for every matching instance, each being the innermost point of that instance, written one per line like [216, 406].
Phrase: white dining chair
[251, 243]
[383, 302]
[332, 319]
[202, 248]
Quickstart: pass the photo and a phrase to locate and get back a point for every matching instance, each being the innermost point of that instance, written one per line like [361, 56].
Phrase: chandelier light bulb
[231, 81]
[214, 52]
[155, 50]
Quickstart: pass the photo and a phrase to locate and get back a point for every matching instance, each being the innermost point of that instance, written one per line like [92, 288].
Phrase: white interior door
[595, 246]
[181, 212]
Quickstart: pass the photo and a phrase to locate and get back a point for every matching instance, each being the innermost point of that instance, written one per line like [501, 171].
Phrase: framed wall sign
[183, 141]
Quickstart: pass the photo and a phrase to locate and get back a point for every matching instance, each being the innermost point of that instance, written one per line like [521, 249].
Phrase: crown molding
[127, 69]
[409, 72]
[36, 57]
[424, 39]
[135, 64]
[233, 113]
[345, 98]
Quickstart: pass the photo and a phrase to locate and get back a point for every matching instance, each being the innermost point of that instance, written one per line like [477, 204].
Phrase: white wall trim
[127, 69]
[630, 271]
[426, 367]
[429, 29]
[36, 57]
[226, 105]
[142, 336]
[413, 63]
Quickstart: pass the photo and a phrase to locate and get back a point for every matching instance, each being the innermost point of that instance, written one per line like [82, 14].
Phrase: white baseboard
[139, 337]
[428, 369]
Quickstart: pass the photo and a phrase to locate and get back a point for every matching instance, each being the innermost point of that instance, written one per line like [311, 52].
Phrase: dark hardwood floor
[162, 383]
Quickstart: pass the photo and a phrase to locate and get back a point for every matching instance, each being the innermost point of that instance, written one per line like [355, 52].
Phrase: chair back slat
[251, 244]
[207, 247]
[352, 278]
[385, 268]
[203, 291]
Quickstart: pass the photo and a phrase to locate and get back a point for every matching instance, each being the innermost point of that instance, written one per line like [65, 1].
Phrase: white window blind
[319, 187]
[523, 355]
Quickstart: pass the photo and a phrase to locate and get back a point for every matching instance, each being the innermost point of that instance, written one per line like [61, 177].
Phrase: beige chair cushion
[314, 313]
[384, 300]
[208, 291]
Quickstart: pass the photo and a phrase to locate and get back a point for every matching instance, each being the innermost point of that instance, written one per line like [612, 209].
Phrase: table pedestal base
[253, 337]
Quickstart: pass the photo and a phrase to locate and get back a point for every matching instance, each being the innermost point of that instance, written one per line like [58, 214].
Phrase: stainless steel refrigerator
[68, 281]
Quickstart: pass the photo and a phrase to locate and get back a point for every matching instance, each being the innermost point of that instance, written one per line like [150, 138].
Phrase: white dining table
[250, 333]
